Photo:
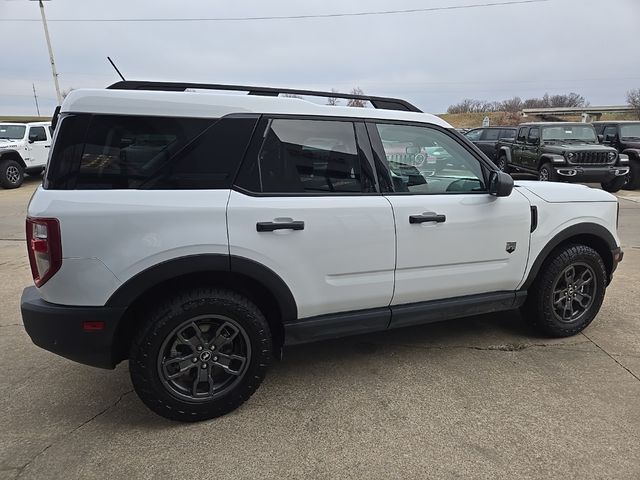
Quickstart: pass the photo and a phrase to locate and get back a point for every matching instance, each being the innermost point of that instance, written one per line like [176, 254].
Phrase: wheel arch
[549, 158]
[589, 234]
[506, 151]
[632, 152]
[247, 277]
[12, 155]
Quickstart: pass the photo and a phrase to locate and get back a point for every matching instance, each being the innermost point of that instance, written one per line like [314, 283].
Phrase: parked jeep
[197, 235]
[624, 137]
[24, 148]
[560, 151]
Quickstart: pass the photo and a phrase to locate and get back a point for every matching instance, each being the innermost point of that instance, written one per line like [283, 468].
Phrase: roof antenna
[115, 68]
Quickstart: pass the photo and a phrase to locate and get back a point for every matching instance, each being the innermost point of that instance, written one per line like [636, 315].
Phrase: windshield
[631, 130]
[583, 133]
[12, 132]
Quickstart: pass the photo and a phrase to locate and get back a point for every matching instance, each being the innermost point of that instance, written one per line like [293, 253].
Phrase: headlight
[612, 155]
[570, 155]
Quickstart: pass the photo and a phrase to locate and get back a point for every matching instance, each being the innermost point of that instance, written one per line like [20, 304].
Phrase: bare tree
[511, 105]
[333, 100]
[356, 102]
[515, 104]
[633, 99]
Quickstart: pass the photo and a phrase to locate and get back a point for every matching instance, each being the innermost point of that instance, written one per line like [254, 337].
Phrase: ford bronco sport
[562, 151]
[197, 234]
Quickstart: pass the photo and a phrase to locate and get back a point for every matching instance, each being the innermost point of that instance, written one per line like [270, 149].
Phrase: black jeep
[624, 137]
[562, 151]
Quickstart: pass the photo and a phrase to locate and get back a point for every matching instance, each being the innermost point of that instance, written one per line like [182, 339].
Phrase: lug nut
[194, 360]
[199, 347]
[215, 359]
[204, 365]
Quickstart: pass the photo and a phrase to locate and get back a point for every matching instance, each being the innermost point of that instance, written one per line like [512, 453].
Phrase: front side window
[423, 160]
[534, 136]
[37, 134]
[508, 133]
[522, 134]
[12, 132]
[311, 156]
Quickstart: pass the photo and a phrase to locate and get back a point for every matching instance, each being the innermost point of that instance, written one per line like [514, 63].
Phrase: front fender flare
[590, 229]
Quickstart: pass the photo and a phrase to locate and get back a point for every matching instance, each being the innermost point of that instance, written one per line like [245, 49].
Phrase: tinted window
[474, 135]
[491, 134]
[522, 134]
[423, 160]
[508, 133]
[609, 133]
[37, 134]
[311, 156]
[569, 132]
[534, 135]
[124, 152]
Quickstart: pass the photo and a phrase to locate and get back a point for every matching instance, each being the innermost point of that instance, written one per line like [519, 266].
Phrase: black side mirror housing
[32, 139]
[600, 138]
[500, 184]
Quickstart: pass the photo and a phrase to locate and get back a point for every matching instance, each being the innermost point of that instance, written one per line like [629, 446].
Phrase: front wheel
[614, 185]
[568, 292]
[633, 177]
[11, 174]
[200, 355]
[502, 164]
[547, 173]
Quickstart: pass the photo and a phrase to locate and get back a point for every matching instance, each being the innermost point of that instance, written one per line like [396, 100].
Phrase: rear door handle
[427, 217]
[272, 226]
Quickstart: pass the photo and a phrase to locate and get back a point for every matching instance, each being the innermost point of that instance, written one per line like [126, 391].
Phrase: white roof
[26, 123]
[215, 105]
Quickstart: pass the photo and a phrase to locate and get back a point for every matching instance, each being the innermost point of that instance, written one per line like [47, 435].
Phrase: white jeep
[24, 148]
[196, 234]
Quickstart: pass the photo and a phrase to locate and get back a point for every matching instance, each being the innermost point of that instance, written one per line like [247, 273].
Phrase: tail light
[44, 247]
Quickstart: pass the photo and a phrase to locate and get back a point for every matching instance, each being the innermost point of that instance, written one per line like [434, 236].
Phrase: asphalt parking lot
[477, 398]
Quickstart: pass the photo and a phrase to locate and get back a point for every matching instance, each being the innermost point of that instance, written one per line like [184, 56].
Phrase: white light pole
[53, 62]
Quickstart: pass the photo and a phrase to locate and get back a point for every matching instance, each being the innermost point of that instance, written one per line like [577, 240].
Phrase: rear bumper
[59, 329]
[581, 173]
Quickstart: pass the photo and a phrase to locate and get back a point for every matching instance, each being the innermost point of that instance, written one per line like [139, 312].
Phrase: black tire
[167, 345]
[502, 164]
[11, 174]
[614, 185]
[633, 177]
[546, 173]
[544, 307]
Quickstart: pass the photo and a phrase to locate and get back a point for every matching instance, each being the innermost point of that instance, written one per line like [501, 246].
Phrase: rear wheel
[568, 292]
[11, 174]
[633, 177]
[547, 173]
[200, 355]
[614, 185]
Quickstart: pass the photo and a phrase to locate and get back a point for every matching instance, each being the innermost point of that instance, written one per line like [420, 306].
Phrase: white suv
[196, 234]
[24, 148]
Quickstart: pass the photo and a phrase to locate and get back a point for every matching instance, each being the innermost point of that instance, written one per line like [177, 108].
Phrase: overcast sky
[433, 59]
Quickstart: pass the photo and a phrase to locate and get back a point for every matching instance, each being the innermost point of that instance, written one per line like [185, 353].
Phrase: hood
[578, 147]
[556, 192]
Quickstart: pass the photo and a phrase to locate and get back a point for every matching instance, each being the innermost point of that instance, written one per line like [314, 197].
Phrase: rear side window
[307, 156]
[491, 134]
[474, 135]
[135, 152]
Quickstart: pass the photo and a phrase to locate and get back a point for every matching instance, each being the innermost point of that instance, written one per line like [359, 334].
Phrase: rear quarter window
[134, 152]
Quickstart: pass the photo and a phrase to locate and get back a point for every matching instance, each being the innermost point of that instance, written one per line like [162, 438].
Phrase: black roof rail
[385, 103]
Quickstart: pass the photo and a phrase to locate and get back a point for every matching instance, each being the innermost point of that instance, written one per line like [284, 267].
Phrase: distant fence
[588, 113]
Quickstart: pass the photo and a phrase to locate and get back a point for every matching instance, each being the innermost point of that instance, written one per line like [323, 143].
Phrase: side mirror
[600, 138]
[609, 138]
[500, 184]
[32, 138]
[535, 141]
